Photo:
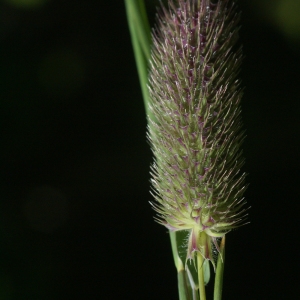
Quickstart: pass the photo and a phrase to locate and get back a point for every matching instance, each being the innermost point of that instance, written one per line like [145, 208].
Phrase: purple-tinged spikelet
[195, 130]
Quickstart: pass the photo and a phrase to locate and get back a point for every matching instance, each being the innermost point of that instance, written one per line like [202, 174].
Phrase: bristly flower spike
[195, 131]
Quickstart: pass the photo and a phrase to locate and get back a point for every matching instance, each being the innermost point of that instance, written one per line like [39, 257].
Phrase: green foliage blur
[74, 189]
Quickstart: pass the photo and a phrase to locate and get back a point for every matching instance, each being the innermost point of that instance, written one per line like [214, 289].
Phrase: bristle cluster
[195, 131]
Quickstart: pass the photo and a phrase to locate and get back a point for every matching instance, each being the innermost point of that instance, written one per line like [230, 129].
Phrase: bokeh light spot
[27, 4]
[46, 209]
[62, 72]
[287, 14]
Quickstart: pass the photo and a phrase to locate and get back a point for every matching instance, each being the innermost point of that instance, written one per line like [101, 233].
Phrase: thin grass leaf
[184, 289]
[220, 272]
[140, 38]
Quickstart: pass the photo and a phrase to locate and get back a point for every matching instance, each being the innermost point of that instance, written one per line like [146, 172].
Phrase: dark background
[74, 212]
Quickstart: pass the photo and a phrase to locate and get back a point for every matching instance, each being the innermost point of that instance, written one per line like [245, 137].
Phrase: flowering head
[195, 131]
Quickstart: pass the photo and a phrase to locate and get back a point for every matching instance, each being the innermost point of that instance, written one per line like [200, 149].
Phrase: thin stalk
[220, 272]
[200, 262]
[140, 38]
[183, 287]
[144, 32]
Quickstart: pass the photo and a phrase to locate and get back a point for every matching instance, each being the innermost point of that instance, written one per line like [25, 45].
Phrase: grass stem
[219, 272]
[200, 262]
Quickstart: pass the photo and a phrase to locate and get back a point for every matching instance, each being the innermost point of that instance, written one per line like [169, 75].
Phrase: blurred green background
[74, 213]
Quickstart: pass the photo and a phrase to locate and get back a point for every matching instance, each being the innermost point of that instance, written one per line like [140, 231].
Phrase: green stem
[219, 272]
[183, 288]
[182, 285]
[140, 37]
[201, 276]
[144, 31]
